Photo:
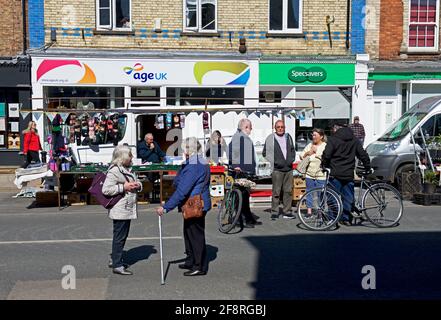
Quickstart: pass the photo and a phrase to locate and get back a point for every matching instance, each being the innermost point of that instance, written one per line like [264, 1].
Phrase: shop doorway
[165, 138]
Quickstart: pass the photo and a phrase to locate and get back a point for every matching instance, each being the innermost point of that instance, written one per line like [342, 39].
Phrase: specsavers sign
[143, 72]
[331, 74]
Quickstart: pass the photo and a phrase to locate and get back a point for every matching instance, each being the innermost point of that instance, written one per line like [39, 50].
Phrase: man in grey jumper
[280, 152]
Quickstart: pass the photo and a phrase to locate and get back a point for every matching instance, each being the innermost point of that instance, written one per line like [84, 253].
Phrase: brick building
[406, 66]
[14, 80]
[164, 55]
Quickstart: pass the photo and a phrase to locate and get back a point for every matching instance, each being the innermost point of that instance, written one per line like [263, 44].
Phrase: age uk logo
[144, 76]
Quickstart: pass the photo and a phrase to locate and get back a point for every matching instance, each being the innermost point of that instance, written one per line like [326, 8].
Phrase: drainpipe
[23, 11]
[348, 23]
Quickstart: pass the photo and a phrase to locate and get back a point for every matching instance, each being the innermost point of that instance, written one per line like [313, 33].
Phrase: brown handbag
[193, 207]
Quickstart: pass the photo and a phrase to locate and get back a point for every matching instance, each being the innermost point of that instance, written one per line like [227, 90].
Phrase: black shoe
[274, 216]
[288, 216]
[192, 273]
[248, 225]
[110, 264]
[122, 271]
[257, 223]
[185, 266]
[346, 223]
[256, 217]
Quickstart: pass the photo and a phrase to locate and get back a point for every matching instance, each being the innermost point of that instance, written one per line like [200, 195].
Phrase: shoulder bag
[193, 207]
[303, 165]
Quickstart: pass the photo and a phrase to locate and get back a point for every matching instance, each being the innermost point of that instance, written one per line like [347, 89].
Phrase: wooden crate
[216, 202]
[46, 198]
[298, 193]
[299, 183]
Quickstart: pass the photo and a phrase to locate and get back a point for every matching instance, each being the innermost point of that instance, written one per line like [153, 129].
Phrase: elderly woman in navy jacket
[192, 179]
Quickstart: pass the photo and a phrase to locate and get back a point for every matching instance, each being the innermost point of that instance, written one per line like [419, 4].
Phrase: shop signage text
[301, 74]
[144, 76]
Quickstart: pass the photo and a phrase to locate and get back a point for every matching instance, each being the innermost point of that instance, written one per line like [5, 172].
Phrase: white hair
[121, 155]
[191, 146]
[243, 122]
[148, 135]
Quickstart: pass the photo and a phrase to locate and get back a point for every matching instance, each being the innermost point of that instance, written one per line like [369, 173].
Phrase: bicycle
[380, 203]
[231, 206]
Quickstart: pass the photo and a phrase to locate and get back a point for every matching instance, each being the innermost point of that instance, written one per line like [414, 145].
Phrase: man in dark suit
[149, 150]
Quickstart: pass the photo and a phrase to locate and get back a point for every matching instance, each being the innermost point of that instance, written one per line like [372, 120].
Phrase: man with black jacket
[279, 150]
[339, 155]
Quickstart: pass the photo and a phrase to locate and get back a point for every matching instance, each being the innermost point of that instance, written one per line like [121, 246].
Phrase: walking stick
[160, 251]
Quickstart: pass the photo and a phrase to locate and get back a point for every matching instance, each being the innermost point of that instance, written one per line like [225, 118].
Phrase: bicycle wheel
[326, 209]
[229, 211]
[382, 205]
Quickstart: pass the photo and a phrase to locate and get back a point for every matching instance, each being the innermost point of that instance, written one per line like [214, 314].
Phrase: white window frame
[285, 28]
[112, 25]
[198, 28]
[435, 48]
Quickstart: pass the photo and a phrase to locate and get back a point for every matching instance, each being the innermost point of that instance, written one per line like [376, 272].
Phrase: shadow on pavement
[329, 266]
[137, 254]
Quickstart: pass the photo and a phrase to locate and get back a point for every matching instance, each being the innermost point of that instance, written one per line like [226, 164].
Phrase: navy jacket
[148, 155]
[193, 178]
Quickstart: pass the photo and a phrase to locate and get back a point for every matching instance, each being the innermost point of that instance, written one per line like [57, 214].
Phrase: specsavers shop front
[329, 81]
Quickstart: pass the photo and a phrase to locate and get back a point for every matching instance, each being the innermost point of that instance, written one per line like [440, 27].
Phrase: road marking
[83, 240]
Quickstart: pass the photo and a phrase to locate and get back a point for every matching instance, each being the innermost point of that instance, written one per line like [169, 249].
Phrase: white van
[394, 152]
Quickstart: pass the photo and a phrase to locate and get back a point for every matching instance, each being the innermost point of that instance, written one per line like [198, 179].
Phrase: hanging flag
[64, 116]
[24, 114]
[51, 116]
[37, 115]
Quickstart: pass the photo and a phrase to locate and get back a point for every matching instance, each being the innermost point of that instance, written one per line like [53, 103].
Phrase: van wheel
[398, 174]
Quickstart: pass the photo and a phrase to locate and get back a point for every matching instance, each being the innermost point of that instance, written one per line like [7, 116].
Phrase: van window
[438, 125]
[428, 127]
[401, 128]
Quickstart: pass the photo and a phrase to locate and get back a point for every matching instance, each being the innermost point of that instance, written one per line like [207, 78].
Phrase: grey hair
[243, 122]
[121, 154]
[148, 134]
[191, 146]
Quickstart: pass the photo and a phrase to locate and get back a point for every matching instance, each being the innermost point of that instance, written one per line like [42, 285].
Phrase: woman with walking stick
[193, 197]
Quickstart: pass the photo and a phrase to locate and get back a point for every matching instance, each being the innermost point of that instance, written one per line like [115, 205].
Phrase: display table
[92, 170]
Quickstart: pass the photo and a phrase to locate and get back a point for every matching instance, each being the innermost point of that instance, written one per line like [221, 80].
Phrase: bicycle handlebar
[246, 175]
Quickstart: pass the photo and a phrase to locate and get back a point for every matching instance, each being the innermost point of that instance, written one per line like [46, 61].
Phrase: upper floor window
[423, 25]
[113, 14]
[285, 16]
[200, 15]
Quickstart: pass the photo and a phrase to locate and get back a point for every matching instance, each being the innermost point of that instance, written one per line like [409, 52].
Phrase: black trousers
[246, 210]
[121, 230]
[194, 240]
[31, 156]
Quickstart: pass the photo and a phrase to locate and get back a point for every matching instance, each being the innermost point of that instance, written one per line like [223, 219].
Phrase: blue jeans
[311, 184]
[346, 191]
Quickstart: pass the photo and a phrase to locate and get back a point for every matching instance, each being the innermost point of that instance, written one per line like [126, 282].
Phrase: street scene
[220, 150]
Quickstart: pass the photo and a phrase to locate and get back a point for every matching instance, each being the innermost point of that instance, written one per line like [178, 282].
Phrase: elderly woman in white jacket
[120, 180]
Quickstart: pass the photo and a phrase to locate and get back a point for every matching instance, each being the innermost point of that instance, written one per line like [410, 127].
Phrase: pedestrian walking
[339, 155]
[242, 158]
[315, 177]
[120, 180]
[31, 144]
[192, 183]
[279, 150]
[358, 129]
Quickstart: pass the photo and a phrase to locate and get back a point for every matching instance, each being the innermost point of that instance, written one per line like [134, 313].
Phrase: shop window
[285, 16]
[270, 96]
[84, 98]
[145, 95]
[200, 15]
[9, 120]
[303, 135]
[423, 25]
[113, 14]
[200, 96]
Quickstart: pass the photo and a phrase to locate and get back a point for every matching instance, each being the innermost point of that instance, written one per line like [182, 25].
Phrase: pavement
[43, 248]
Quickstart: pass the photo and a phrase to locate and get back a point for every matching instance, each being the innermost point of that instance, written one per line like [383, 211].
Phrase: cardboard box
[298, 193]
[217, 191]
[46, 198]
[216, 202]
[77, 198]
[217, 179]
[299, 183]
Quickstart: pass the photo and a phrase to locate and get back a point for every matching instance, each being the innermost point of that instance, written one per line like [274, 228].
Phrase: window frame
[285, 29]
[435, 48]
[198, 28]
[112, 19]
